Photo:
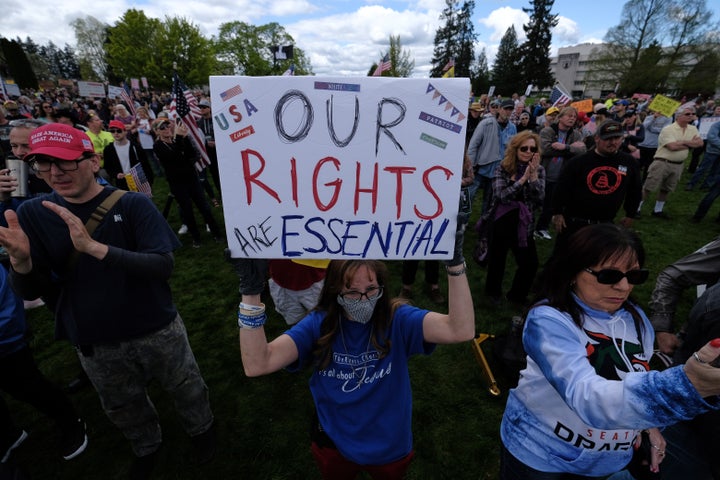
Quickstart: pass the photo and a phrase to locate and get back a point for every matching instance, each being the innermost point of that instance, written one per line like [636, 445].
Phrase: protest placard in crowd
[340, 167]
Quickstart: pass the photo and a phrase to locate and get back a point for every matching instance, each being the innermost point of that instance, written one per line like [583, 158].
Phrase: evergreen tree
[506, 69]
[535, 50]
[703, 77]
[17, 64]
[455, 39]
[480, 82]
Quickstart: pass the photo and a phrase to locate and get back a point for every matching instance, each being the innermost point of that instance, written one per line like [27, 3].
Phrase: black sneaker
[11, 442]
[73, 440]
[142, 467]
[204, 445]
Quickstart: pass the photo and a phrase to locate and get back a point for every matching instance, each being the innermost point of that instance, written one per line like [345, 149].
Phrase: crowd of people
[587, 401]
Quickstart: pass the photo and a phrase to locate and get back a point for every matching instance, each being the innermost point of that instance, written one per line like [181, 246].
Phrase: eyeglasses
[47, 106]
[164, 126]
[610, 276]
[508, 108]
[44, 165]
[204, 106]
[494, 106]
[688, 114]
[525, 148]
[115, 130]
[353, 296]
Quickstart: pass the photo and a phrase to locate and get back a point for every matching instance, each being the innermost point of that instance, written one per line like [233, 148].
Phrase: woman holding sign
[359, 340]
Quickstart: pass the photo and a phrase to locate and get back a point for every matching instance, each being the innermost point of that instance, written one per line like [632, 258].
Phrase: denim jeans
[121, 373]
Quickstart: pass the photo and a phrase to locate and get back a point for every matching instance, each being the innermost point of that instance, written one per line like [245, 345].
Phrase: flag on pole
[450, 73]
[127, 99]
[384, 65]
[184, 105]
[137, 180]
[449, 65]
[558, 97]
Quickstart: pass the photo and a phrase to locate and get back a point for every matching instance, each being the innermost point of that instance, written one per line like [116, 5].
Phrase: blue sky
[341, 37]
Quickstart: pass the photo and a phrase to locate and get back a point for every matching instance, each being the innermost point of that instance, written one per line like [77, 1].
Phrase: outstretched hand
[700, 370]
[16, 243]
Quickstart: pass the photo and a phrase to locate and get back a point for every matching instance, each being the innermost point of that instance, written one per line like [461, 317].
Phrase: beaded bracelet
[456, 273]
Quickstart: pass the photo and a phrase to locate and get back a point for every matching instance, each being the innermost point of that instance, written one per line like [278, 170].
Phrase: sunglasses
[164, 126]
[115, 130]
[526, 149]
[610, 276]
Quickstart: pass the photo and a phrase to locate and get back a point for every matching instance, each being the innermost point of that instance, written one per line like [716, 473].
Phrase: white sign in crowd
[340, 167]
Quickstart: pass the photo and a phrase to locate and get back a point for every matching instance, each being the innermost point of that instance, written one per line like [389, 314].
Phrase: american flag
[384, 65]
[230, 92]
[137, 181]
[184, 105]
[128, 101]
[558, 97]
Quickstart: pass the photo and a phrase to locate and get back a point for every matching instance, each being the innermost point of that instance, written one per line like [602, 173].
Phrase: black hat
[609, 129]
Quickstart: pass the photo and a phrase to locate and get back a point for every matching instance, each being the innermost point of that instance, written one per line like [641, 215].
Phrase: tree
[648, 73]
[90, 34]
[247, 48]
[455, 39]
[179, 43]
[17, 64]
[535, 51]
[130, 47]
[400, 63]
[506, 68]
[684, 29]
[703, 78]
[690, 34]
[480, 77]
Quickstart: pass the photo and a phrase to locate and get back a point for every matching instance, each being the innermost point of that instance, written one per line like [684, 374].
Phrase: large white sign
[340, 167]
[91, 89]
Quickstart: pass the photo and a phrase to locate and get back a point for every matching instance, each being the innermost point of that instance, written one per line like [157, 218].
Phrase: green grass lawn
[263, 422]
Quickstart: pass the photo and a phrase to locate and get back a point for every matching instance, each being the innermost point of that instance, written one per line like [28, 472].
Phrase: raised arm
[258, 356]
[459, 323]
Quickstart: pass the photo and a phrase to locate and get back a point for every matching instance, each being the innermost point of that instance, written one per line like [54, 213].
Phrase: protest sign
[583, 105]
[340, 167]
[664, 105]
[91, 89]
[705, 124]
[114, 92]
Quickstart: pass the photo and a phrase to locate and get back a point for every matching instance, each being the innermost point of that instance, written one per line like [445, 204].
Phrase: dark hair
[589, 246]
[338, 277]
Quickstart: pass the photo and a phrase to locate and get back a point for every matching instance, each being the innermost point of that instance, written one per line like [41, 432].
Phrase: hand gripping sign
[341, 167]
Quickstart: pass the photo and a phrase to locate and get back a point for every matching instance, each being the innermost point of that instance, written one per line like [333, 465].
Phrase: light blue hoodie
[586, 392]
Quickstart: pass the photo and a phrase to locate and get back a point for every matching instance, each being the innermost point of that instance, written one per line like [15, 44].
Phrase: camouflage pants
[121, 373]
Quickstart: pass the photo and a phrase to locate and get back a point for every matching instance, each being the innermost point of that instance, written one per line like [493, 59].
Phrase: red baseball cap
[59, 141]
[116, 124]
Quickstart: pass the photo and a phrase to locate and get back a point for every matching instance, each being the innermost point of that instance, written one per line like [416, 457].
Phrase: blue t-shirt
[364, 403]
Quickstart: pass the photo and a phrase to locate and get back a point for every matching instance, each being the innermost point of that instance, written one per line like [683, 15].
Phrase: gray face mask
[361, 310]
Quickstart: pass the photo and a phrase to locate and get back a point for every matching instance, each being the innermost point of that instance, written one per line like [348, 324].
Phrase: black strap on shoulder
[94, 221]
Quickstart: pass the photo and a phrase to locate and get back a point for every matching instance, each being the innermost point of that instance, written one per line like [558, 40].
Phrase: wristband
[456, 273]
[251, 321]
[252, 308]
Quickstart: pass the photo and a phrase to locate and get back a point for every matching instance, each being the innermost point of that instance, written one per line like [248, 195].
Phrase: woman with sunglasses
[358, 340]
[587, 392]
[518, 190]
